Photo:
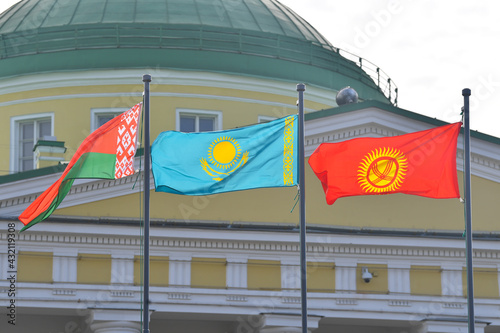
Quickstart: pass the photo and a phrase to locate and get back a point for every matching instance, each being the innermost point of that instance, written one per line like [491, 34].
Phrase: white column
[345, 275]
[179, 271]
[286, 323]
[122, 268]
[451, 280]
[282, 329]
[399, 277]
[236, 273]
[4, 266]
[444, 326]
[64, 266]
[290, 275]
[115, 321]
[498, 277]
[116, 327]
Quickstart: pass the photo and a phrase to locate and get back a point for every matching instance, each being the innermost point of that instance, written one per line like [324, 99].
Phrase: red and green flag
[107, 153]
[420, 163]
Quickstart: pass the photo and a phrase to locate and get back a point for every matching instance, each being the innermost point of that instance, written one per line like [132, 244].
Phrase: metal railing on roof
[383, 81]
[106, 36]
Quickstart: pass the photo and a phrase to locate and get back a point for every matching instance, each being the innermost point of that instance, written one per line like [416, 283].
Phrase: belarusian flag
[107, 153]
[420, 163]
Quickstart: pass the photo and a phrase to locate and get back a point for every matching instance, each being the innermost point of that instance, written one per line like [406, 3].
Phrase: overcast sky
[430, 49]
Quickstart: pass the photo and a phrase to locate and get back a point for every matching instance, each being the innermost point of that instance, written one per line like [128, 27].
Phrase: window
[26, 131]
[198, 120]
[99, 117]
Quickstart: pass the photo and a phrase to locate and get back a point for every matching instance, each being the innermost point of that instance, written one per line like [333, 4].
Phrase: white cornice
[244, 245]
[104, 238]
[47, 299]
[160, 77]
[153, 94]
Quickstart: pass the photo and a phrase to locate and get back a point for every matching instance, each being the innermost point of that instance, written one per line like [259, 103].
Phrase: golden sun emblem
[382, 170]
[225, 157]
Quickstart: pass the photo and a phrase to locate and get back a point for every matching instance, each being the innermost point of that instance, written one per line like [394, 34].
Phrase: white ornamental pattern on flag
[127, 142]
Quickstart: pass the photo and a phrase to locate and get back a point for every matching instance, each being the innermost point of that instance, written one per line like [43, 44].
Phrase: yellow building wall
[158, 271]
[378, 285]
[320, 277]
[34, 266]
[425, 280]
[72, 115]
[93, 268]
[72, 125]
[263, 274]
[395, 211]
[485, 282]
[208, 272]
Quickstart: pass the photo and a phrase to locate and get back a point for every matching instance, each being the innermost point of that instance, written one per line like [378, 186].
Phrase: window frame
[96, 112]
[198, 113]
[15, 121]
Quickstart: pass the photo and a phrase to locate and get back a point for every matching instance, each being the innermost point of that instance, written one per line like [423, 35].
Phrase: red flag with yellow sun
[420, 163]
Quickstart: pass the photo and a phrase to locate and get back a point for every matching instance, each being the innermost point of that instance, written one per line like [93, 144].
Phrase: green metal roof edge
[163, 36]
[49, 143]
[213, 61]
[29, 33]
[32, 173]
[393, 109]
[44, 171]
[375, 104]
[49, 49]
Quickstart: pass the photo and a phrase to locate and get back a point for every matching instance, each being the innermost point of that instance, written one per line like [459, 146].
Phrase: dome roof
[250, 37]
[266, 16]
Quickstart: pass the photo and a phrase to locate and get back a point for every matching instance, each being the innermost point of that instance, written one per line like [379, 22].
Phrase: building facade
[226, 262]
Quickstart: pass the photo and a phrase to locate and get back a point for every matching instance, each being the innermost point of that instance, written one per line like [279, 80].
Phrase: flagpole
[302, 198]
[468, 213]
[146, 78]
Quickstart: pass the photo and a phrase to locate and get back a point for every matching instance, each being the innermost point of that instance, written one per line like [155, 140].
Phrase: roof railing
[383, 81]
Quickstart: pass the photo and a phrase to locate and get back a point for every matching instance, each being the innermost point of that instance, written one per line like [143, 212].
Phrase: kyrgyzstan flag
[421, 163]
[107, 153]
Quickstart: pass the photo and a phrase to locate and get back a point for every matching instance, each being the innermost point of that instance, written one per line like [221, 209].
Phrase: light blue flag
[263, 155]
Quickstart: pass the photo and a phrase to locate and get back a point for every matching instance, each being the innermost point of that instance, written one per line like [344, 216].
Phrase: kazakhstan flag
[263, 155]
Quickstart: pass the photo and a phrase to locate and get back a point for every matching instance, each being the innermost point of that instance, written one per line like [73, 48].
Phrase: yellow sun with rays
[224, 152]
[382, 170]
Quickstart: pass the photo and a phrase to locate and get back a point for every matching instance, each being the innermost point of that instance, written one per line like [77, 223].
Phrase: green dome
[262, 16]
[248, 37]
